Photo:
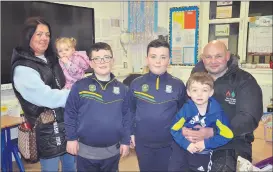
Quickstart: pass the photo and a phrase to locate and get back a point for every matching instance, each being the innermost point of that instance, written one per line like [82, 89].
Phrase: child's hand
[124, 150]
[64, 60]
[200, 146]
[72, 147]
[192, 148]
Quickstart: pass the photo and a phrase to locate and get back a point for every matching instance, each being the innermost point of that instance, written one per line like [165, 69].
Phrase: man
[241, 98]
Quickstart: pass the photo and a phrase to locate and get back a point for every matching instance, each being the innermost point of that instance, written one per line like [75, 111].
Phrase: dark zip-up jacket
[96, 115]
[241, 98]
[52, 75]
[154, 102]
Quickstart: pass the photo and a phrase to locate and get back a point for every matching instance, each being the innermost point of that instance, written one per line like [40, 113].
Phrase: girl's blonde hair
[71, 42]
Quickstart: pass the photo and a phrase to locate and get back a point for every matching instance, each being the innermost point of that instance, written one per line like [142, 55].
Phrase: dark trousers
[105, 165]
[153, 159]
[226, 160]
[182, 160]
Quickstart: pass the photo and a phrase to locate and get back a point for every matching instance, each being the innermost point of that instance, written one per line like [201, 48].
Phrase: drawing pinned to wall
[260, 35]
[184, 24]
[222, 30]
[223, 12]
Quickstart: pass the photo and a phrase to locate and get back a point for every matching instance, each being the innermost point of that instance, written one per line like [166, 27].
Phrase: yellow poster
[178, 18]
[224, 12]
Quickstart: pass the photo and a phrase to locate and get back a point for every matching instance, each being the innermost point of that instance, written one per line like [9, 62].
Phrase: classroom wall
[119, 9]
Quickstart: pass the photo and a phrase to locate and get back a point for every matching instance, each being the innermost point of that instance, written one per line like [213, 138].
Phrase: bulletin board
[183, 35]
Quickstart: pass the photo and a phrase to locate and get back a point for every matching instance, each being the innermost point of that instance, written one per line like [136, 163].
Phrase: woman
[37, 80]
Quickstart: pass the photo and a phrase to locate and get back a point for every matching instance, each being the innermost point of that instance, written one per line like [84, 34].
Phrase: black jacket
[52, 75]
[127, 81]
[241, 98]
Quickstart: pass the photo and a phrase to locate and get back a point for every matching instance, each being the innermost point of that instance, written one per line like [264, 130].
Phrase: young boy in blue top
[155, 98]
[201, 110]
[96, 121]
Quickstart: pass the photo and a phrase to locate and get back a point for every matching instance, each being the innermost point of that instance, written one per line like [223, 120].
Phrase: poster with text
[184, 35]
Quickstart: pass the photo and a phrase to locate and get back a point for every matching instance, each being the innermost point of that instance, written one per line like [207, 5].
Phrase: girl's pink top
[74, 70]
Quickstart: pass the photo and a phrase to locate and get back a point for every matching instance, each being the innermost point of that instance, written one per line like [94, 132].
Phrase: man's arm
[196, 136]
[249, 108]
[29, 84]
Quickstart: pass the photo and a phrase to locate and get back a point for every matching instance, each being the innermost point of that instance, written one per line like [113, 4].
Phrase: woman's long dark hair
[29, 28]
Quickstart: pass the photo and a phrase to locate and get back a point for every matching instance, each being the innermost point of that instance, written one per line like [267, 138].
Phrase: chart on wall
[184, 35]
[260, 34]
[259, 48]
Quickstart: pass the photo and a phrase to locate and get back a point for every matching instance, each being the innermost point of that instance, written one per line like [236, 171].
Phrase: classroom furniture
[7, 147]
[261, 149]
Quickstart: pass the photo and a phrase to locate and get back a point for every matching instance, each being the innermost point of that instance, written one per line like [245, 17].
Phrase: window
[260, 8]
[233, 23]
[230, 39]
[259, 38]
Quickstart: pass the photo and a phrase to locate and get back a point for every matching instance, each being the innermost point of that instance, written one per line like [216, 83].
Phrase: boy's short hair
[99, 46]
[158, 43]
[201, 77]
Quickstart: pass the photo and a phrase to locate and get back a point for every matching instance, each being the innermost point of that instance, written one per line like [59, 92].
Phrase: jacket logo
[230, 97]
[197, 120]
[145, 87]
[116, 90]
[169, 89]
[92, 87]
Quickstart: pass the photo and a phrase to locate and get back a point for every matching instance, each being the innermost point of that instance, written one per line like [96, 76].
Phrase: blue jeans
[68, 163]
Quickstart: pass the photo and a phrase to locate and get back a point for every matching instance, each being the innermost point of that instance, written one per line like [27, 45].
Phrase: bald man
[241, 98]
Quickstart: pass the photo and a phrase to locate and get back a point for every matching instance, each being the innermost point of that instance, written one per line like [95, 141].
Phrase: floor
[127, 164]
[260, 151]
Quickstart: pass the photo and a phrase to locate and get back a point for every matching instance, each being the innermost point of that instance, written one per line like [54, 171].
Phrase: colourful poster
[178, 18]
[184, 35]
[190, 20]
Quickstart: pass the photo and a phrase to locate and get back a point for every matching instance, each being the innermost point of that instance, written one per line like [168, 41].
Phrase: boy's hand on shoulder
[72, 147]
[124, 150]
[200, 146]
[192, 148]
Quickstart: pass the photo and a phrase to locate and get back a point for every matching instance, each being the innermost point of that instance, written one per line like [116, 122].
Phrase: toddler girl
[74, 63]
